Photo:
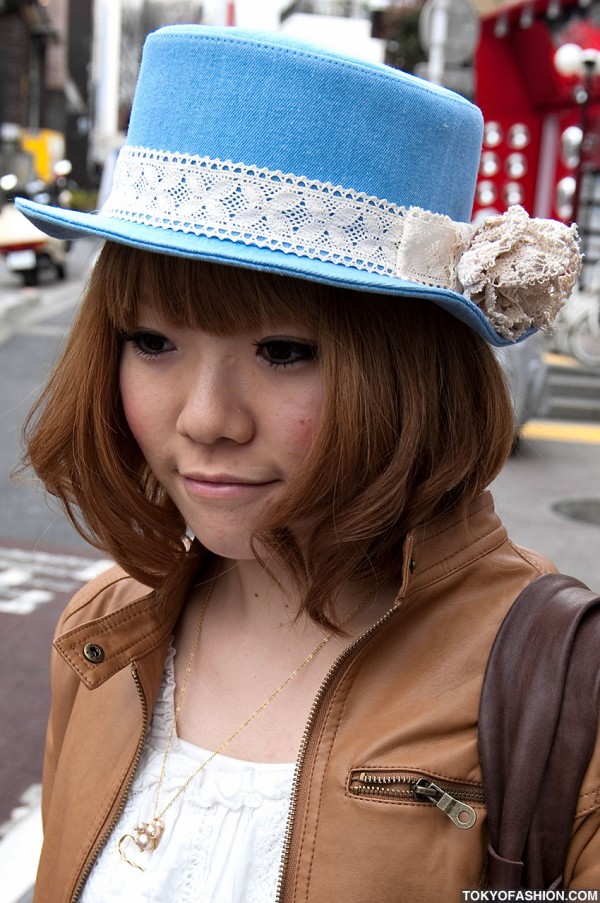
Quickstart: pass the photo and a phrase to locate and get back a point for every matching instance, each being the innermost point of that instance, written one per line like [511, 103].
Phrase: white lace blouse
[223, 838]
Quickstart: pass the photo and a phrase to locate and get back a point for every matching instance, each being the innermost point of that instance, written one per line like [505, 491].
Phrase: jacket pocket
[454, 798]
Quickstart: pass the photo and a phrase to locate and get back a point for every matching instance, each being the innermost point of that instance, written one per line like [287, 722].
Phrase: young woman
[278, 413]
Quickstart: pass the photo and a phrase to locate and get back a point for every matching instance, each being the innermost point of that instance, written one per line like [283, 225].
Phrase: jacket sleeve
[64, 686]
[64, 683]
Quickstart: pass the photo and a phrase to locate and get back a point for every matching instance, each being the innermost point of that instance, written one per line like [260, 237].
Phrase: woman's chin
[235, 548]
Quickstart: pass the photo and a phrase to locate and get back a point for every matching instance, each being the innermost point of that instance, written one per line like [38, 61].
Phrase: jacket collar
[439, 548]
[125, 622]
[140, 622]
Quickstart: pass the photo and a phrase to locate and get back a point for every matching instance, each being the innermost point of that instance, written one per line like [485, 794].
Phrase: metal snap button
[94, 653]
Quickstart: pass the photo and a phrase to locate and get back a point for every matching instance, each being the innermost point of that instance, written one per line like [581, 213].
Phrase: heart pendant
[146, 836]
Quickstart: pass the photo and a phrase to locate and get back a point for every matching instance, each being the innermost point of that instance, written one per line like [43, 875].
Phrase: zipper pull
[462, 815]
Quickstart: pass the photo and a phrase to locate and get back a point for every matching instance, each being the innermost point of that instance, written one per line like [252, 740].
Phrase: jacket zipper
[96, 850]
[452, 797]
[312, 717]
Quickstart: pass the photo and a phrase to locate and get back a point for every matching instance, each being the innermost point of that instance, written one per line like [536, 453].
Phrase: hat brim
[72, 224]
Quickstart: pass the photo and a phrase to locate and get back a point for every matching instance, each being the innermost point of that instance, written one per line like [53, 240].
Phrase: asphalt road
[43, 560]
[537, 484]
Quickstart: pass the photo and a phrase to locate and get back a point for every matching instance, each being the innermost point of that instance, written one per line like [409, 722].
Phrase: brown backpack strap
[538, 720]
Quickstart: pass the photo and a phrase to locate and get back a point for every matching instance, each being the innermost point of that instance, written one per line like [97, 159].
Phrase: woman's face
[225, 423]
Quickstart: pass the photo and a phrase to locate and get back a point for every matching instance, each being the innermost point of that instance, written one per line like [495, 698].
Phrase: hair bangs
[198, 294]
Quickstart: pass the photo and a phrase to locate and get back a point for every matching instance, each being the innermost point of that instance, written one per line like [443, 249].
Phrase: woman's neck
[258, 599]
[250, 594]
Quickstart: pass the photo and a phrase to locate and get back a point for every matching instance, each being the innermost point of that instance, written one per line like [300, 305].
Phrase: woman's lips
[223, 486]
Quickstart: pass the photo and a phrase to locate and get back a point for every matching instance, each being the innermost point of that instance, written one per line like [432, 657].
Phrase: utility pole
[106, 71]
[437, 41]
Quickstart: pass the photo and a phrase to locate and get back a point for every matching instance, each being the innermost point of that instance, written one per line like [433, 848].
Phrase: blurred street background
[67, 75]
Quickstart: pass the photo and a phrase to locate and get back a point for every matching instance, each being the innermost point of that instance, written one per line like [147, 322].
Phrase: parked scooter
[578, 332]
[27, 251]
[581, 323]
[56, 192]
[526, 374]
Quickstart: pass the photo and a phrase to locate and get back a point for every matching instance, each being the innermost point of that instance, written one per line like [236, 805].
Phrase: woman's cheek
[301, 429]
[129, 398]
[141, 406]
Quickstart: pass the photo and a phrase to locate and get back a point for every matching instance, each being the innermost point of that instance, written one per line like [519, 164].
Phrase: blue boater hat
[259, 151]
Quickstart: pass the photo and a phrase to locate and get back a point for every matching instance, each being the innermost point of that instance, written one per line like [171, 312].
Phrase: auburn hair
[417, 419]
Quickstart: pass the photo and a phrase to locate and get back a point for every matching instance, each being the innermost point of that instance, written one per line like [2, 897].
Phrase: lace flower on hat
[519, 270]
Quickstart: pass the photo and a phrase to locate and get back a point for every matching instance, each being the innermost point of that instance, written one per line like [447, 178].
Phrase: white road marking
[31, 578]
[14, 576]
[20, 847]
[28, 602]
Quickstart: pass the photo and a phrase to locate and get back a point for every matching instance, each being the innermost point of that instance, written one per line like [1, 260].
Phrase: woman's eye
[285, 352]
[149, 344]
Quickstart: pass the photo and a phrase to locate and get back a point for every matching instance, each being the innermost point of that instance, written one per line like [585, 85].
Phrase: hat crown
[274, 103]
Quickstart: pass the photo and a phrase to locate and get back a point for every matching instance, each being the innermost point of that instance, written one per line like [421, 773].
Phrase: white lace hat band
[284, 212]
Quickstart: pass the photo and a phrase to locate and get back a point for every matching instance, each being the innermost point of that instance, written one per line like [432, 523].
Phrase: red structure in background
[230, 13]
[532, 115]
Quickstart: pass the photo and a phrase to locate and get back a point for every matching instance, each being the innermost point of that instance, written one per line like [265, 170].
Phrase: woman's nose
[216, 406]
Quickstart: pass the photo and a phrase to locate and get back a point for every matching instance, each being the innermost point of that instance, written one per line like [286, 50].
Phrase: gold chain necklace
[147, 834]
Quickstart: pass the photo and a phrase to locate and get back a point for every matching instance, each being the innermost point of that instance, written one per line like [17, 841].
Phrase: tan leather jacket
[400, 706]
